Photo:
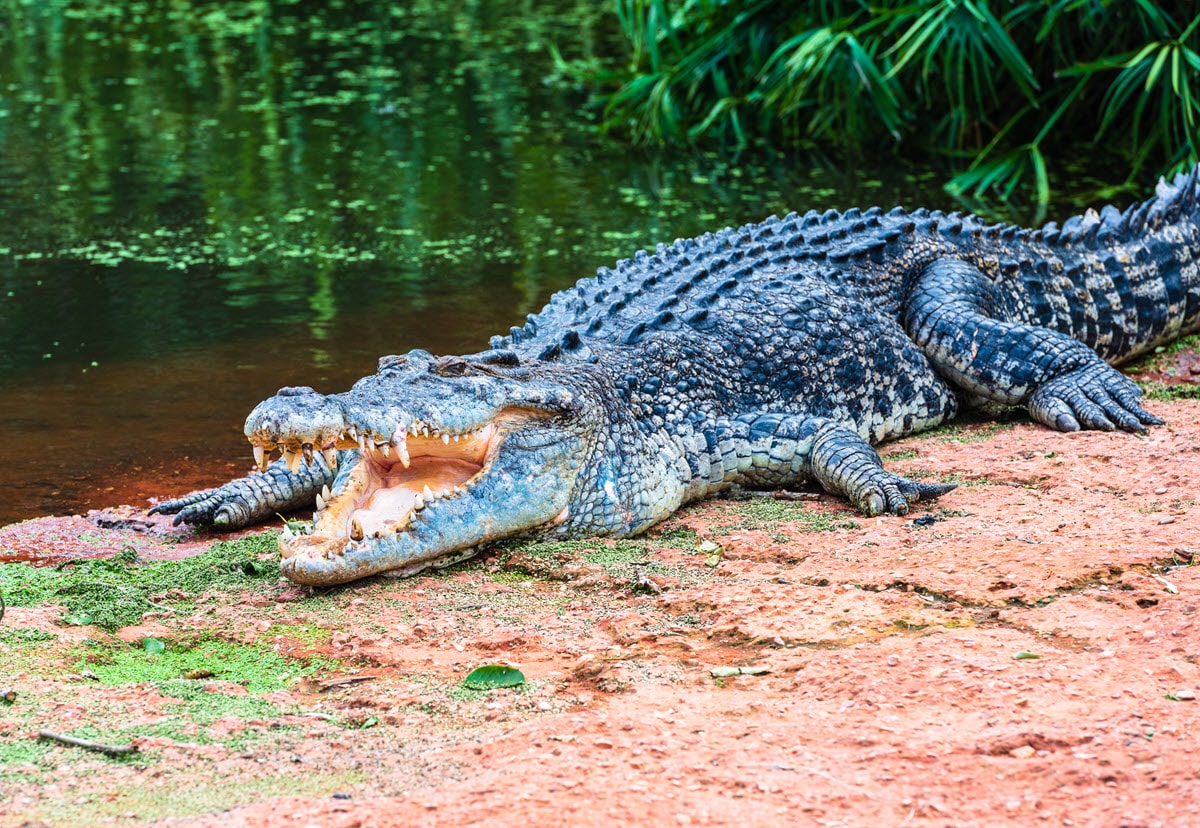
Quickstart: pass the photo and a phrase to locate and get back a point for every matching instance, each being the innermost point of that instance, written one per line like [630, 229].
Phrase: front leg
[1061, 381]
[253, 498]
[777, 449]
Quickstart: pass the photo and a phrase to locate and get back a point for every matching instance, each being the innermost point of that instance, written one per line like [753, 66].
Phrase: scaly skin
[763, 356]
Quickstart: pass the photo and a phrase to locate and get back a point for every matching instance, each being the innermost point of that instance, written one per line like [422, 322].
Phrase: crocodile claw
[1094, 397]
[892, 494]
[197, 509]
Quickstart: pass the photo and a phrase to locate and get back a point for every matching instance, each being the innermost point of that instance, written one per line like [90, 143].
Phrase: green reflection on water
[180, 172]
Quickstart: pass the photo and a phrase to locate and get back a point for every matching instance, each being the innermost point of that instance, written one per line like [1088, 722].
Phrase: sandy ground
[887, 676]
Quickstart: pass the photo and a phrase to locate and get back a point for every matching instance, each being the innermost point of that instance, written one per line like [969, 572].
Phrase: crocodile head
[445, 454]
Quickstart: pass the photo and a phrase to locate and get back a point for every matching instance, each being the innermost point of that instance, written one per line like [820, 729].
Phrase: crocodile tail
[1122, 282]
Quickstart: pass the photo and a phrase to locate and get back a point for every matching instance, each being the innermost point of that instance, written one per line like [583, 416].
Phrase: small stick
[342, 681]
[111, 750]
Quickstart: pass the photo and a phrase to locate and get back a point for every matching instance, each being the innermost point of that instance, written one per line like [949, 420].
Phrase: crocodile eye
[451, 366]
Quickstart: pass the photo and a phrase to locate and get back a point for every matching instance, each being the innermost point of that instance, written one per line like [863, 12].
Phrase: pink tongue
[386, 507]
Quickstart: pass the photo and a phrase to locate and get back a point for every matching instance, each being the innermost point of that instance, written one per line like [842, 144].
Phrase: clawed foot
[843, 463]
[207, 508]
[892, 494]
[1096, 397]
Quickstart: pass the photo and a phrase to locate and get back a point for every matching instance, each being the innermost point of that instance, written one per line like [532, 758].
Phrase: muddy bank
[1024, 651]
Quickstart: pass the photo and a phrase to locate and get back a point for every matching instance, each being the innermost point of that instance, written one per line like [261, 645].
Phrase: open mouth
[394, 482]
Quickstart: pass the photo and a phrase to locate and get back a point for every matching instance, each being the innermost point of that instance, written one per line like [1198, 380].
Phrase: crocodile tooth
[325, 493]
[362, 443]
[330, 456]
[429, 495]
[356, 530]
[320, 503]
[445, 439]
[400, 441]
[260, 458]
[292, 458]
[307, 449]
[384, 449]
[418, 502]
[456, 436]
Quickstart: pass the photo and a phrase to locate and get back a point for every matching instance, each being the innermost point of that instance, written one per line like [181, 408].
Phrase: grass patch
[212, 793]
[624, 562]
[1165, 392]
[257, 668]
[767, 513]
[114, 592]
[26, 636]
[1156, 362]
[305, 635]
[964, 433]
[677, 536]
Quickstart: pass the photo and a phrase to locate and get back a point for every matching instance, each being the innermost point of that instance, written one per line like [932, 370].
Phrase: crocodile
[761, 356]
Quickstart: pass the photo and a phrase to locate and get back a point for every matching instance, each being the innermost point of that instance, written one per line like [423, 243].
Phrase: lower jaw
[336, 562]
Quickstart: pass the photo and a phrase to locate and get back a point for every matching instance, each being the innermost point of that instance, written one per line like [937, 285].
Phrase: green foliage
[989, 82]
[113, 592]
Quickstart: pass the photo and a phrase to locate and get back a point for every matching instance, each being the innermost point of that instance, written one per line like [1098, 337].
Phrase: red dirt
[893, 693]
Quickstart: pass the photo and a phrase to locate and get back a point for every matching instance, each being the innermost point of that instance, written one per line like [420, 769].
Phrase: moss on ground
[767, 513]
[1157, 361]
[1167, 392]
[256, 667]
[211, 793]
[624, 562]
[114, 592]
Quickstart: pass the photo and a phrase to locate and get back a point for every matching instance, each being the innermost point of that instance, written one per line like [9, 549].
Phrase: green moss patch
[767, 513]
[625, 562]
[115, 592]
[1166, 392]
[1160, 359]
[259, 669]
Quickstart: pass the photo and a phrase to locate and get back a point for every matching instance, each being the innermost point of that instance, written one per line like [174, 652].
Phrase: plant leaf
[491, 676]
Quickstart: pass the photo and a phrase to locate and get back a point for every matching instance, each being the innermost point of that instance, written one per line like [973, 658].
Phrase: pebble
[1185, 695]
[1165, 520]
[1023, 752]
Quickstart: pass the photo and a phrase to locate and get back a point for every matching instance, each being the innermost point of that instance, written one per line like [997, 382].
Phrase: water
[202, 202]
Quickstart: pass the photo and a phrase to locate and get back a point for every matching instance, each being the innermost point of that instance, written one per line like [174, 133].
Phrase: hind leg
[1062, 382]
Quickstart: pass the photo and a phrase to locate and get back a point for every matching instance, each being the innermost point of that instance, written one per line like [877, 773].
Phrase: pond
[202, 202]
